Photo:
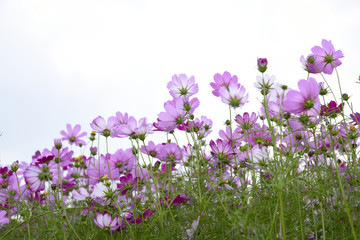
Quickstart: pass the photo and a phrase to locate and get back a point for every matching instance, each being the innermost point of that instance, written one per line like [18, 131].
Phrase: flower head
[173, 117]
[305, 99]
[182, 86]
[222, 81]
[99, 125]
[234, 95]
[327, 57]
[106, 222]
[73, 135]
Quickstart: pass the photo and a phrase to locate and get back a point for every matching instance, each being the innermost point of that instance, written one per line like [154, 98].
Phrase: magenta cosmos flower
[234, 95]
[222, 81]
[99, 125]
[182, 86]
[327, 57]
[106, 222]
[73, 135]
[305, 99]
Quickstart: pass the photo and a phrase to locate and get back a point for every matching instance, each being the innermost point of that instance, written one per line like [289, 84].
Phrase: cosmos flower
[173, 117]
[222, 81]
[221, 150]
[99, 125]
[182, 86]
[36, 176]
[264, 84]
[133, 129]
[332, 109]
[103, 193]
[305, 99]
[327, 57]
[246, 121]
[234, 95]
[106, 222]
[73, 135]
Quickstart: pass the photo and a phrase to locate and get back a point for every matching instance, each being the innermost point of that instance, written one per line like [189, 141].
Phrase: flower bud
[57, 143]
[15, 166]
[262, 64]
[345, 97]
[93, 150]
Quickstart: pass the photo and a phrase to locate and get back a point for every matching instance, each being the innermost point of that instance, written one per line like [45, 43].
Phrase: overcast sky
[69, 61]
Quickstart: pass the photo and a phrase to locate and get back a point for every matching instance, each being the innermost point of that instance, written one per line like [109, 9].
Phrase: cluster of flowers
[128, 186]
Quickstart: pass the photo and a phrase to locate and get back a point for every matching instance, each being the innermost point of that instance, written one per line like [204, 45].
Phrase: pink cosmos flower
[151, 149]
[37, 175]
[305, 99]
[221, 151]
[170, 153]
[327, 57]
[132, 129]
[122, 118]
[182, 86]
[234, 95]
[310, 64]
[106, 222]
[123, 161]
[73, 135]
[222, 81]
[99, 125]
[246, 121]
[103, 193]
[82, 194]
[3, 219]
[173, 117]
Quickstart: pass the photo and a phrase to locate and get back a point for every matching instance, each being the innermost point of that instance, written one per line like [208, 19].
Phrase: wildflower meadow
[289, 170]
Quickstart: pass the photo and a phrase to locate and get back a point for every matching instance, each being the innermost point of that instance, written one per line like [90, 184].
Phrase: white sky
[69, 61]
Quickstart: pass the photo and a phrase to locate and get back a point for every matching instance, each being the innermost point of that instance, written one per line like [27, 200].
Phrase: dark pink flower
[143, 216]
[356, 118]
[73, 135]
[332, 109]
[305, 99]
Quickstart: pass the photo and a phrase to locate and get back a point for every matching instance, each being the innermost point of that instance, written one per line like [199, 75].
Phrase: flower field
[289, 170]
